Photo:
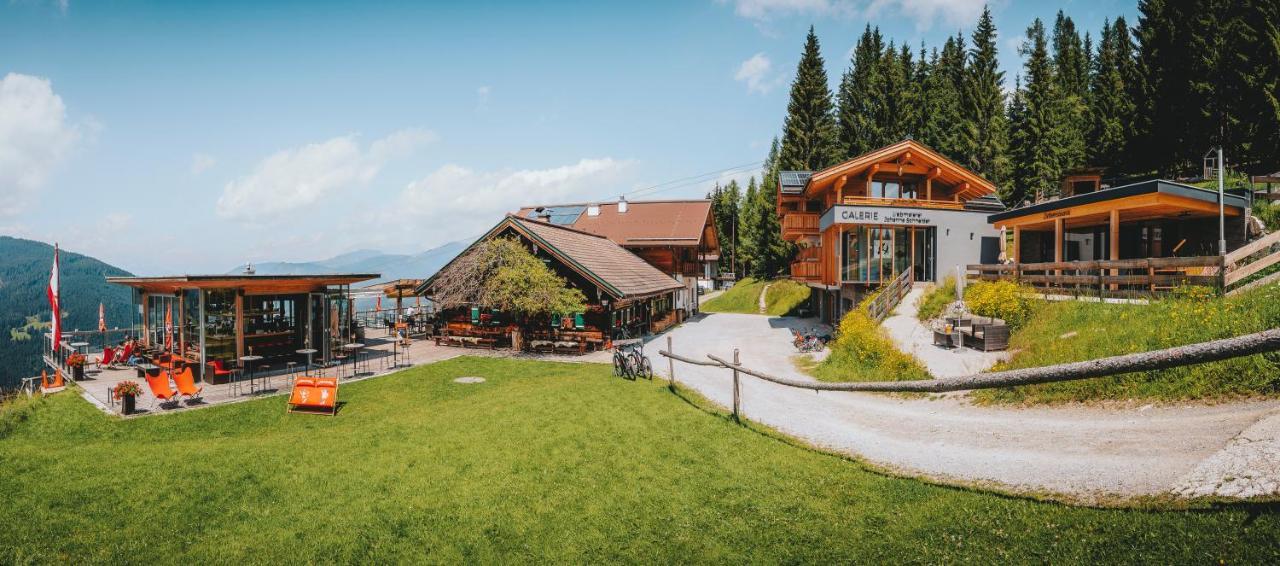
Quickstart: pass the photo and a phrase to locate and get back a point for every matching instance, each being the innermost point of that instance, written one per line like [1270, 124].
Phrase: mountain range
[389, 266]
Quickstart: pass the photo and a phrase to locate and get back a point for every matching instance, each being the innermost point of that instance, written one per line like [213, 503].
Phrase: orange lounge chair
[315, 395]
[159, 385]
[108, 358]
[186, 382]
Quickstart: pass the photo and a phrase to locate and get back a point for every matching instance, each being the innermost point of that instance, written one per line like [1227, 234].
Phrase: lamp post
[1222, 229]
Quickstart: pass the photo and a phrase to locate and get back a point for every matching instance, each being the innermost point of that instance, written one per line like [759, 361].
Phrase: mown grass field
[542, 462]
[782, 297]
[1069, 331]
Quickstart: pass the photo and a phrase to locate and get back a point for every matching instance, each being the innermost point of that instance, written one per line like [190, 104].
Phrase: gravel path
[764, 293]
[1083, 453]
[914, 338]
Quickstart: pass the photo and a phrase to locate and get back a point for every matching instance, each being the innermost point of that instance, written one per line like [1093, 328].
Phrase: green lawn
[783, 296]
[543, 462]
[1071, 331]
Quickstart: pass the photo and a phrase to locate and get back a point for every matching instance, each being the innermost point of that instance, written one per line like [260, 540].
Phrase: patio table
[80, 346]
[308, 352]
[248, 362]
[354, 350]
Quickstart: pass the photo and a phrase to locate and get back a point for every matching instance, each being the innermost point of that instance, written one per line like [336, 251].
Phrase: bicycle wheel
[619, 364]
[646, 368]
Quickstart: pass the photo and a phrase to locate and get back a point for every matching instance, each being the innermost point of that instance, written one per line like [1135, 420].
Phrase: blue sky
[185, 137]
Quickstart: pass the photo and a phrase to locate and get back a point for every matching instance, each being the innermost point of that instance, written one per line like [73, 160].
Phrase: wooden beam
[239, 325]
[1114, 243]
[928, 188]
[840, 188]
[1017, 242]
[1057, 240]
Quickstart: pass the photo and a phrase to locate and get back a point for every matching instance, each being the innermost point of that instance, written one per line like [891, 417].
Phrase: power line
[693, 179]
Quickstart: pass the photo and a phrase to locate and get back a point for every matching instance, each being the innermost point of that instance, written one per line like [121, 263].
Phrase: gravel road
[1083, 453]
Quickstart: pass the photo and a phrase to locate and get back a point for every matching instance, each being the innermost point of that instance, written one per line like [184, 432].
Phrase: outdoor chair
[987, 334]
[186, 382]
[220, 371]
[159, 385]
[123, 358]
[108, 358]
[314, 395]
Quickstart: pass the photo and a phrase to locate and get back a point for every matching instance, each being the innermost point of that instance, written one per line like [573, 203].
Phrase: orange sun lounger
[186, 382]
[314, 395]
[159, 385]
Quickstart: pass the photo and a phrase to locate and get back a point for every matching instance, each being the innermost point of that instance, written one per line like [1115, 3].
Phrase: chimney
[622, 204]
[593, 210]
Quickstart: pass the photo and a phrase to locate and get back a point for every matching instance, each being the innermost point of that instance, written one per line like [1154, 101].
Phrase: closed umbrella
[1004, 254]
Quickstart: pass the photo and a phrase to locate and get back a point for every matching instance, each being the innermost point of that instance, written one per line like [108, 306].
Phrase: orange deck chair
[159, 386]
[314, 395]
[108, 358]
[186, 382]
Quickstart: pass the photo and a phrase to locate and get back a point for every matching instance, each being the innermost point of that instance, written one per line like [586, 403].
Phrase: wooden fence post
[736, 395]
[671, 367]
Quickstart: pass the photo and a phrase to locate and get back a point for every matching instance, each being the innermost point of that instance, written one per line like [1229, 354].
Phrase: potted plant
[127, 392]
[76, 363]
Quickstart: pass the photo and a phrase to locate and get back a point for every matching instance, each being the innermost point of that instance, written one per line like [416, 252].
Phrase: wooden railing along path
[889, 296]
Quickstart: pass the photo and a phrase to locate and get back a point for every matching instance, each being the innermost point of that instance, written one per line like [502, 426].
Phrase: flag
[56, 322]
[168, 328]
[379, 306]
[102, 319]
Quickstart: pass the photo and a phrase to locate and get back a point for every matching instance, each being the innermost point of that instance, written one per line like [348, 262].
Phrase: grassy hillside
[864, 352]
[1073, 331]
[24, 274]
[543, 462]
[783, 296]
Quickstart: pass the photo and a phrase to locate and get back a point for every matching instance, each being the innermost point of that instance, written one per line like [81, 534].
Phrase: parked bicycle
[809, 341]
[629, 361]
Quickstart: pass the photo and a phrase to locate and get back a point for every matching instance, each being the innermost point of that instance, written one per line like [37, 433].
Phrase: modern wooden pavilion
[207, 318]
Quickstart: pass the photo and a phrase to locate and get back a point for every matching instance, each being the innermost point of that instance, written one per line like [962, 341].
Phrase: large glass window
[220, 326]
[271, 324]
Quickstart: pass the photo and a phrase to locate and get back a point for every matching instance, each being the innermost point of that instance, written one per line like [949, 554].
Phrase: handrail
[889, 296]
[1199, 353]
[1251, 248]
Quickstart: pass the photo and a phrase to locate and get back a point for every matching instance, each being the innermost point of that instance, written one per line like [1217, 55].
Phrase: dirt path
[1084, 453]
[764, 294]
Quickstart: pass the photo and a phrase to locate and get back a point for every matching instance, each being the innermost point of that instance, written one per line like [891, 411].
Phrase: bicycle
[808, 342]
[629, 361]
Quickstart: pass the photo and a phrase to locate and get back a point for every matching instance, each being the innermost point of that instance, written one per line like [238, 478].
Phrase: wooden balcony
[903, 203]
[799, 224]
[809, 253]
[807, 270]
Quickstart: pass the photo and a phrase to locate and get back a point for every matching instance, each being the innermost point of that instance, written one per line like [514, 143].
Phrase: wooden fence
[889, 297]
[1108, 277]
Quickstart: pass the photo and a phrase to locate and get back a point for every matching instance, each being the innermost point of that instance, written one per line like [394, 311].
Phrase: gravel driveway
[1084, 453]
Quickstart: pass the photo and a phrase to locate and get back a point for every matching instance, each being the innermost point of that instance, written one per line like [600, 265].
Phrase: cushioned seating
[314, 394]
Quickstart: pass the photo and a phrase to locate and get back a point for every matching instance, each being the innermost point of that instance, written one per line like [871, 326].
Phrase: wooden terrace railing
[1150, 275]
[903, 202]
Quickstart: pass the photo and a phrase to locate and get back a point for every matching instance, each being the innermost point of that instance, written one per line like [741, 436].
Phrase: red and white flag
[168, 328]
[52, 292]
[379, 306]
[102, 319]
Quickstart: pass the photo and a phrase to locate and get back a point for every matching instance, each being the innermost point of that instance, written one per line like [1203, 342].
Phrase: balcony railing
[800, 223]
[806, 270]
[903, 202]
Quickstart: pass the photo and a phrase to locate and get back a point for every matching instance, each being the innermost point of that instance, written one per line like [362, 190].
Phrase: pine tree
[1039, 133]
[773, 253]
[1110, 107]
[809, 134]
[749, 227]
[1071, 75]
[985, 136]
[946, 101]
[724, 211]
[858, 128]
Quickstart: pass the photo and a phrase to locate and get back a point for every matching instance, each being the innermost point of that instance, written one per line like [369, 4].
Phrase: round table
[353, 349]
[308, 352]
[79, 345]
[248, 361]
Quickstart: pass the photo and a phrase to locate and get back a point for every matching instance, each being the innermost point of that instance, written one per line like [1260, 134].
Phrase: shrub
[1001, 299]
[936, 299]
[863, 352]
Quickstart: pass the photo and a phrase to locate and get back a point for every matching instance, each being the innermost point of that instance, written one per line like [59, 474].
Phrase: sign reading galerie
[878, 215]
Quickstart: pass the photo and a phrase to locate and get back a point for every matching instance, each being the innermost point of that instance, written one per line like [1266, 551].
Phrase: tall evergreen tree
[1071, 75]
[809, 133]
[1039, 133]
[1110, 105]
[858, 98]
[749, 227]
[773, 252]
[986, 135]
[945, 102]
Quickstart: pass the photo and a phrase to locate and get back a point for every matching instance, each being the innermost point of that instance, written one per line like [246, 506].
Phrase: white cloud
[454, 201]
[300, 177]
[955, 13]
[201, 162]
[756, 72]
[34, 138]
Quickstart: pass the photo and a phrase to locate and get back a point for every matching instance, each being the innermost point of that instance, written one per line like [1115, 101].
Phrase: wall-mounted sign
[1057, 213]
[882, 215]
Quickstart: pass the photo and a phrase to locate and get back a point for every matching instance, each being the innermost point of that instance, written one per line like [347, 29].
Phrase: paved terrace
[376, 360]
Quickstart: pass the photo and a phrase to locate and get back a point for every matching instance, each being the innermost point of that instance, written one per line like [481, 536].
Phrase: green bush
[864, 352]
[1005, 300]
[936, 299]
[1268, 213]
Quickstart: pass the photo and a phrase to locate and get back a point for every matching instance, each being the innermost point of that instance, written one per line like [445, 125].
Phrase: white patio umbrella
[1004, 246]
[959, 283]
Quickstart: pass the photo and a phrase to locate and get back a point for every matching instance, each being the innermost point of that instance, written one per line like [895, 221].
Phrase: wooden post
[239, 325]
[1017, 242]
[1114, 252]
[736, 396]
[1057, 247]
[671, 367]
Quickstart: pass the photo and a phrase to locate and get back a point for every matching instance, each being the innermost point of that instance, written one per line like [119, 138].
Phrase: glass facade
[875, 254]
[220, 326]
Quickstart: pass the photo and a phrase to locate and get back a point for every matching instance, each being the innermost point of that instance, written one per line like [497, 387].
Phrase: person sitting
[136, 358]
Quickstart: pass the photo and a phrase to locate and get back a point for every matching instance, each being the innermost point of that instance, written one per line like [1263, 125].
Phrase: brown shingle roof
[645, 223]
[621, 272]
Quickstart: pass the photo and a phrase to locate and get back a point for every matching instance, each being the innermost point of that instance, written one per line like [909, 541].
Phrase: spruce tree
[1040, 131]
[809, 133]
[1071, 75]
[858, 127]
[986, 136]
[946, 101]
[1110, 107]
[749, 227]
[774, 253]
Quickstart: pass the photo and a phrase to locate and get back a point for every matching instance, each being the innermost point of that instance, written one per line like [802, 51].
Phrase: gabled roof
[910, 154]
[617, 271]
[1144, 187]
[677, 223]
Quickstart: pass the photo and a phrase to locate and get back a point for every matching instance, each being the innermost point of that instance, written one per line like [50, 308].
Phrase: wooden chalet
[625, 294]
[900, 211]
[678, 237]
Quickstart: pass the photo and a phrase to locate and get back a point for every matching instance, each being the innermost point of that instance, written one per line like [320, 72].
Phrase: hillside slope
[24, 274]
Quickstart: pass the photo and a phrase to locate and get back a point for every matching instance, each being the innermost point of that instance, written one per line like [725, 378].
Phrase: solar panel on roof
[561, 215]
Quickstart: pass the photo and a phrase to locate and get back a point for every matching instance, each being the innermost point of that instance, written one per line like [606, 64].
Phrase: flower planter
[127, 404]
[77, 373]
